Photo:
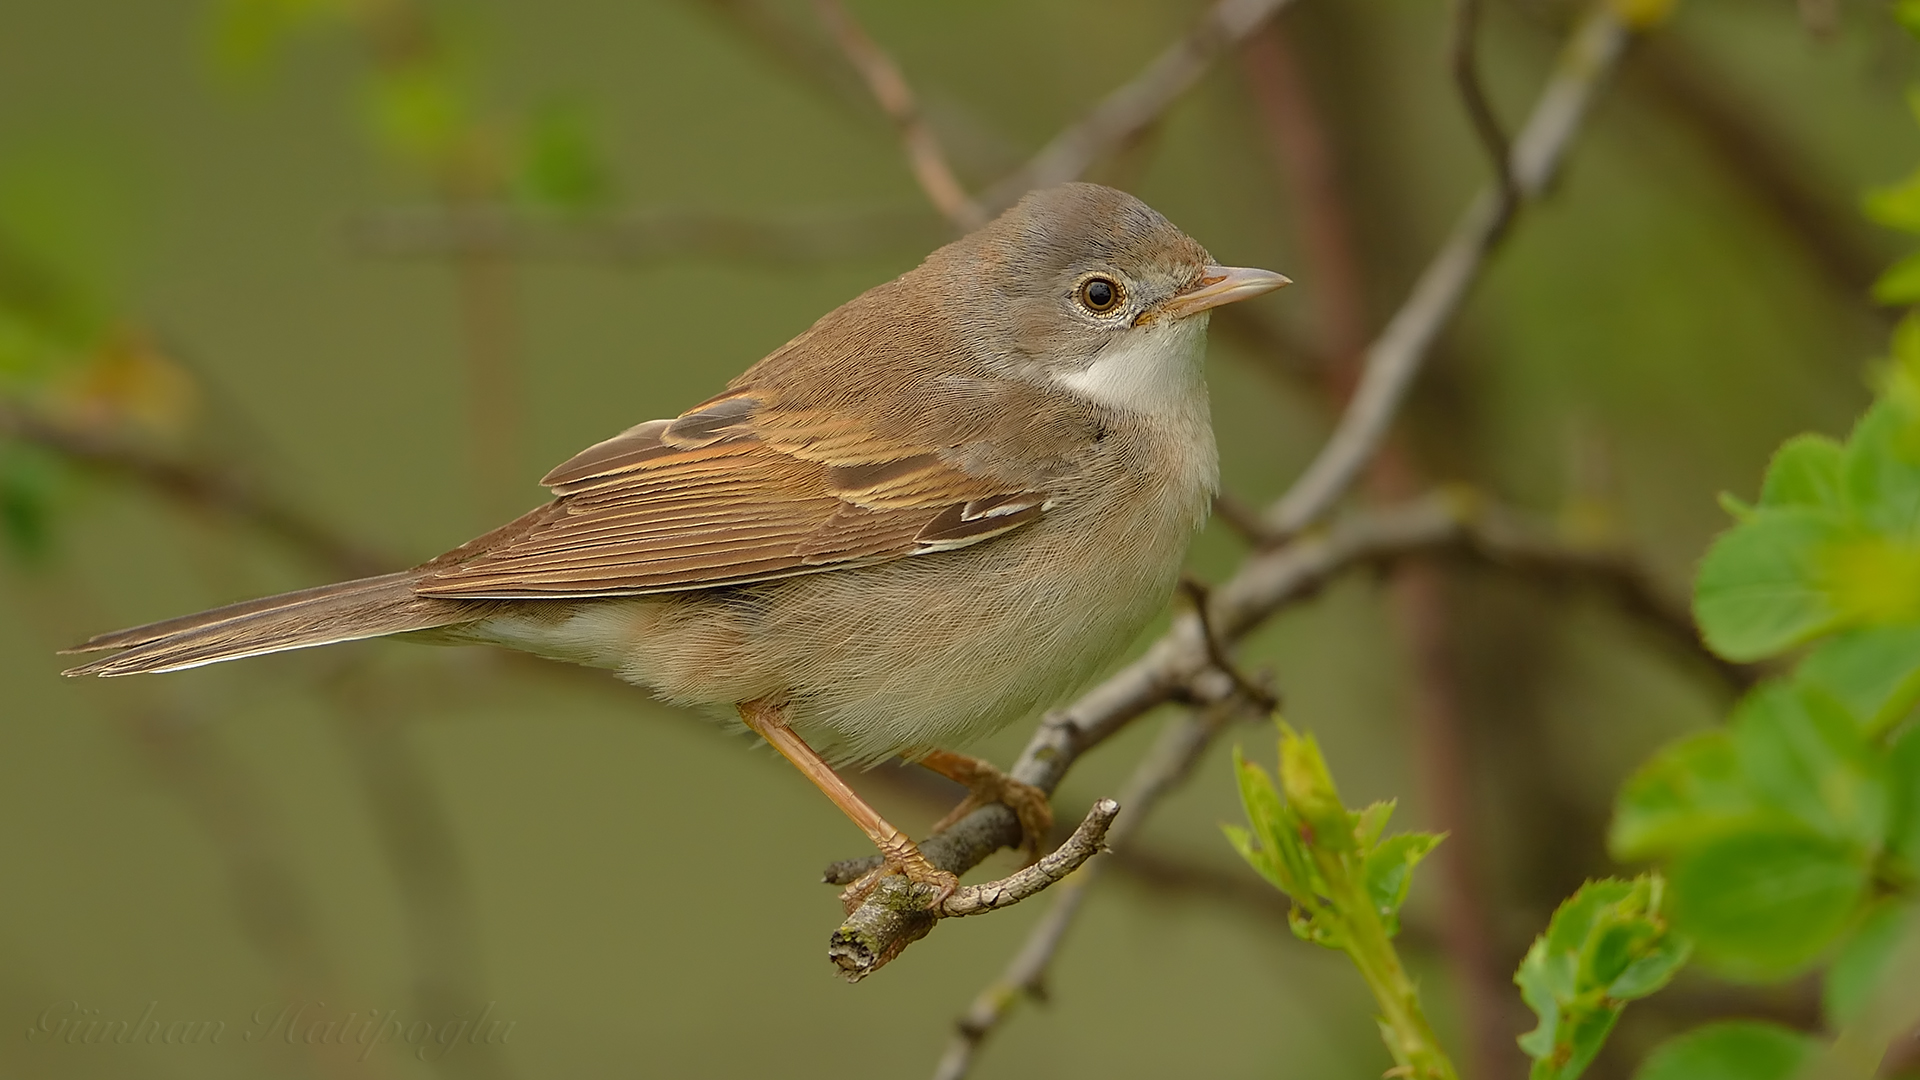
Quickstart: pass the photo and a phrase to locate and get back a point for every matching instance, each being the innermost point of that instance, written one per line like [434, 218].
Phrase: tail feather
[348, 611]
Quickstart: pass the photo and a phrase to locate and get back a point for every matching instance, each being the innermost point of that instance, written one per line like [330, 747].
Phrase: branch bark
[893, 917]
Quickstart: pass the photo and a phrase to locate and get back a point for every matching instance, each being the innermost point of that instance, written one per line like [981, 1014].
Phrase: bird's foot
[985, 784]
[930, 885]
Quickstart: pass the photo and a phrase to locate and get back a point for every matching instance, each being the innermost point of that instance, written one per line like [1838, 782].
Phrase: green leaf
[1605, 945]
[1855, 973]
[1271, 837]
[1690, 791]
[1762, 905]
[1257, 857]
[1806, 472]
[1899, 283]
[1653, 968]
[1311, 793]
[1537, 979]
[1896, 206]
[1740, 512]
[1903, 825]
[1732, 1050]
[1881, 464]
[1372, 821]
[1389, 873]
[1764, 585]
[1803, 753]
[1874, 671]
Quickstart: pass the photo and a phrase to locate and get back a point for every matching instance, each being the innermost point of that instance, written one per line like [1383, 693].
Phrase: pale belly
[901, 657]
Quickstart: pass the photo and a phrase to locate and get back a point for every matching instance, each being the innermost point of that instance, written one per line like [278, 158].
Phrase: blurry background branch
[1130, 109]
[1395, 356]
[641, 238]
[213, 487]
[924, 153]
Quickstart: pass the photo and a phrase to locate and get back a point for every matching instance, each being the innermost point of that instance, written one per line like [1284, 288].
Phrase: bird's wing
[731, 492]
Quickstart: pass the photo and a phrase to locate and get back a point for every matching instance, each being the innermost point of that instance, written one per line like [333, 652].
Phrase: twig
[1249, 690]
[1171, 759]
[198, 485]
[1395, 356]
[1473, 95]
[1127, 111]
[1244, 520]
[891, 918]
[924, 153]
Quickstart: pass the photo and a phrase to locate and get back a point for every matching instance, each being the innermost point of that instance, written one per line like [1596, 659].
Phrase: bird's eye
[1100, 295]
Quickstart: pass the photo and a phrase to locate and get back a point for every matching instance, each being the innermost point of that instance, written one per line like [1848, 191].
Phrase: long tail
[348, 611]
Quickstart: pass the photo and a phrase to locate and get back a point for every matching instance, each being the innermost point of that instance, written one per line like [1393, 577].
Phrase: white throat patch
[1152, 369]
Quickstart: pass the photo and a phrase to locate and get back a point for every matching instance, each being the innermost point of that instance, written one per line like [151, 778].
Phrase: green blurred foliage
[1732, 1050]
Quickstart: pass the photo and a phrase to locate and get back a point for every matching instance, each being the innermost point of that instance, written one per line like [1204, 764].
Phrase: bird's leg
[768, 718]
[985, 784]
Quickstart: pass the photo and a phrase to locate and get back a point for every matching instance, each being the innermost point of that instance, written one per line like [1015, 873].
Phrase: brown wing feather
[732, 492]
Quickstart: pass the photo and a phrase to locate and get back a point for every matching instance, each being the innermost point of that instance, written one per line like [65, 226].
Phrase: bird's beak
[1223, 285]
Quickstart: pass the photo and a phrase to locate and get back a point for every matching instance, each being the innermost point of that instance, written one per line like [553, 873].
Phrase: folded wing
[734, 491]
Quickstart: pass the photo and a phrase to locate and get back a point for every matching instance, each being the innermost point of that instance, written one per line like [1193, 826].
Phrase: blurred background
[295, 288]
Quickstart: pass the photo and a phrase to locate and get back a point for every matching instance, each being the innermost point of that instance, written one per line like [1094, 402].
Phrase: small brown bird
[948, 503]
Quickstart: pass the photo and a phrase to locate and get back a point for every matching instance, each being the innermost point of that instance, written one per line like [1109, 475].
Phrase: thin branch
[1172, 758]
[1486, 126]
[1126, 112]
[1178, 667]
[1252, 692]
[924, 153]
[892, 916]
[198, 485]
[1395, 356]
